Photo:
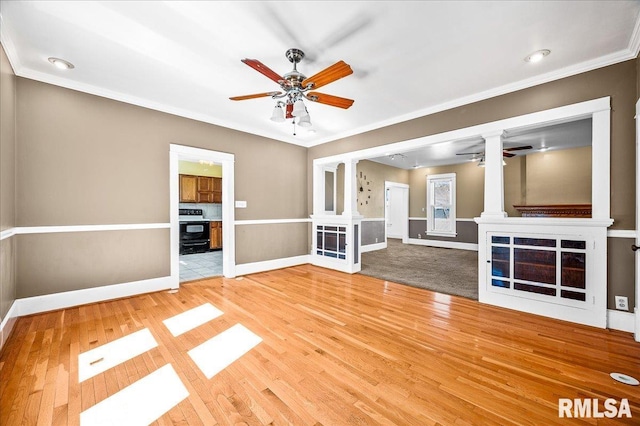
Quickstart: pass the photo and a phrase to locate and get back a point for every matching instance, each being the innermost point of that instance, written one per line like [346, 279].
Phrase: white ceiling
[409, 58]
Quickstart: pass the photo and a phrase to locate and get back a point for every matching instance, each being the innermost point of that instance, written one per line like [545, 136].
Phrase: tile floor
[200, 265]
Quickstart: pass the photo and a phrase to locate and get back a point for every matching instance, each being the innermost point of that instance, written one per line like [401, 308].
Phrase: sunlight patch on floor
[220, 351]
[141, 403]
[102, 358]
[191, 319]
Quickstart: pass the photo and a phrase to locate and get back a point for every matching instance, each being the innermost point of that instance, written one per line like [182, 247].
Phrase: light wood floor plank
[336, 349]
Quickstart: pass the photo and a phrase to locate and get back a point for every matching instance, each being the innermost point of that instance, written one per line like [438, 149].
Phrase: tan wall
[559, 177]
[7, 182]
[57, 262]
[84, 159]
[372, 177]
[469, 189]
[7, 143]
[275, 241]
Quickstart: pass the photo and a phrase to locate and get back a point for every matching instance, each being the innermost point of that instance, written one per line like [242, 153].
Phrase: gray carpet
[449, 271]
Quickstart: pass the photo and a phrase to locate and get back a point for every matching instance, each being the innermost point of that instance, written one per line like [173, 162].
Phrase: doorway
[396, 210]
[179, 153]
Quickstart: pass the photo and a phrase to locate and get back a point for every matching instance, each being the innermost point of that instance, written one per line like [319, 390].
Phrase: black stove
[194, 232]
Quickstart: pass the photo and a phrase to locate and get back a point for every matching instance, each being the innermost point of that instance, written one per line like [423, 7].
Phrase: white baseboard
[51, 302]
[619, 320]
[269, 265]
[7, 324]
[443, 244]
[373, 247]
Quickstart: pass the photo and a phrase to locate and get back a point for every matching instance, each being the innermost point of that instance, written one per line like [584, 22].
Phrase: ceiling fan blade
[519, 148]
[470, 153]
[335, 101]
[508, 155]
[288, 111]
[263, 69]
[328, 75]
[256, 95]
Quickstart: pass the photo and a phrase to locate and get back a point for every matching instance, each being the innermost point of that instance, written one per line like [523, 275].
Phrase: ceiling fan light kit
[296, 88]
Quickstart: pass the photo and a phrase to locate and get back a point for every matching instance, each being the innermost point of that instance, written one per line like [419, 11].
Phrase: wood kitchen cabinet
[188, 189]
[217, 189]
[205, 189]
[216, 235]
[200, 189]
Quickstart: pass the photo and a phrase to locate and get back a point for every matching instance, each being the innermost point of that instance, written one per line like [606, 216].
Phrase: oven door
[194, 231]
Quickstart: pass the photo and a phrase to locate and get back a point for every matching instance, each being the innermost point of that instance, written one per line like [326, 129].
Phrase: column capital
[493, 134]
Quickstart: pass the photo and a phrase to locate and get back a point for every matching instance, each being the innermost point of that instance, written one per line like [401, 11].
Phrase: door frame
[181, 152]
[637, 254]
[405, 208]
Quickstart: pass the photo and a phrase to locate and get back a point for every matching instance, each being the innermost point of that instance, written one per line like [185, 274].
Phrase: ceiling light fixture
[537, 56]
[61, 64]
[481, 163]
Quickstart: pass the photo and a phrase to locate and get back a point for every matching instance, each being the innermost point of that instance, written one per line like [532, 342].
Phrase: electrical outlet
[622, 303]
[376, 240]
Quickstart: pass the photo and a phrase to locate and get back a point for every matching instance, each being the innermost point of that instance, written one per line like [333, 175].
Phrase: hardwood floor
[336, 349]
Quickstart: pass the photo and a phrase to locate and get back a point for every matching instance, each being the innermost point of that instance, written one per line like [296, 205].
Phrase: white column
[318, 189]
[601, 179]
[493, 176]
[350, 188]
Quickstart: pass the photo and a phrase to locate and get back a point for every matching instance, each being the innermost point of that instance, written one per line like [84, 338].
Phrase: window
[441, 205]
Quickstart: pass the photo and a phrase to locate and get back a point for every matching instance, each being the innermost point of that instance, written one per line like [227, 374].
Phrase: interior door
[397, 210]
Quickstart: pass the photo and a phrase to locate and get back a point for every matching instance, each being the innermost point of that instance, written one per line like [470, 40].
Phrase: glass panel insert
[500, 283]
[566, 294]
[500, 258]
[573, 270]
[540, 242]
[535, 265]
[581, 245]
[549, 291]
[500, 240]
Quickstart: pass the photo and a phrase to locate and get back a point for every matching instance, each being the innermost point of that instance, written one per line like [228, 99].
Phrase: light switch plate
[241, 204]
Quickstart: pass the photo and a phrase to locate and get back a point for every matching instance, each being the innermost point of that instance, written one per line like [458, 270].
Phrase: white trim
[7, 324]
[547, 221]
[269, 265]
[7, 233]
[637, 220]
[88, 228]
[554, 115]
[443, 244]
[621, 233]
[52, 302]
[458, 219]
[373, 219]
[270, 221]
[181, 152]
[618, 320]
[373, 247]
[634, 42]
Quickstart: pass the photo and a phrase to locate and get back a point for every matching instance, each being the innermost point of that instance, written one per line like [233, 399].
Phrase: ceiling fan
[506, 152]
[296, 87]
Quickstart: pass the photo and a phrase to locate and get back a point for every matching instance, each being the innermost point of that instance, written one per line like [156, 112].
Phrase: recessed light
[61, 64]
[537, 56]
[544, 148]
